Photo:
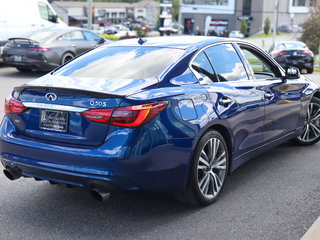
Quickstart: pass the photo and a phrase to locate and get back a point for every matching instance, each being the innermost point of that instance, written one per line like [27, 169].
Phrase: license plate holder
[56, 121]
[17, 58]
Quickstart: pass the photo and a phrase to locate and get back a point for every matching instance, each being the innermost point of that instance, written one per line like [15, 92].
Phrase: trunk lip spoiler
[94, 94]
[25, 39]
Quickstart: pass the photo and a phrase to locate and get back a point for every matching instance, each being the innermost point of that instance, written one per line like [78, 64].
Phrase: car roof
[180, 42]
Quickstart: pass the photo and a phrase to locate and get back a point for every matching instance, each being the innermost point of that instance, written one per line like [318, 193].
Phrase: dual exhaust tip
[97, 193]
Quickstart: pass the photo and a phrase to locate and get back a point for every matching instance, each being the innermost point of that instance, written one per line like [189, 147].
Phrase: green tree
[175, 10]
[244, 26]
[311, 31]
[266, 27]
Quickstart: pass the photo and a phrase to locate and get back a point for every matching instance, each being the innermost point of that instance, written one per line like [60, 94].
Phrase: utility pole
[89, 7]
[275, 19]
[179, 18]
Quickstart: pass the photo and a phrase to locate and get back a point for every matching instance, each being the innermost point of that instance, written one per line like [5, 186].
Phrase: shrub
[311, 31]
[266, 27]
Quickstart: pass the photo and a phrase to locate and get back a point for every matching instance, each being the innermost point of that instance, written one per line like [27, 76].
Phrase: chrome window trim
[54, 107]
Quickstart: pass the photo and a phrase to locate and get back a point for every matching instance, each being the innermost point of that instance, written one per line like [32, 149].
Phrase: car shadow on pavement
[73, 213]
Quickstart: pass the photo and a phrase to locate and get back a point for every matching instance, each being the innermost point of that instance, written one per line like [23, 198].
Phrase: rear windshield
[292, 45]
[121, 62]
[39, 35]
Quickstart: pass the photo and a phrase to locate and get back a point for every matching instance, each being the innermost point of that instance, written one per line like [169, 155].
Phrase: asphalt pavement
[273, 196]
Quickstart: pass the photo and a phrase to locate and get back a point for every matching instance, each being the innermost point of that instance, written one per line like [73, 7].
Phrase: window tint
[121, 63]
[226, 63]
[73, 36]
[260, 68]
[45, 12]
[91, 36]
[203, 67]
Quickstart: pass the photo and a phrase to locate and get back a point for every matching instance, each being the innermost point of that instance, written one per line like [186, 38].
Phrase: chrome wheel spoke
[315, 128]
[203, 164]
[204, 186]
[221, 165]
[217, 182]
[316, 115]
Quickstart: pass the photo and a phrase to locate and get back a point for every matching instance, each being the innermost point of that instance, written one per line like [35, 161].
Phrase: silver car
[48, 48]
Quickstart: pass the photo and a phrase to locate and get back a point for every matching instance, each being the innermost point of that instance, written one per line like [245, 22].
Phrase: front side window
[261, 69]
[226, 63]
[91, 36]
[45, 12]
[121, 62]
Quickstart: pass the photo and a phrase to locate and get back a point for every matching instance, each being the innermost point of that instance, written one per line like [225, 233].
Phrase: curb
[314, 231]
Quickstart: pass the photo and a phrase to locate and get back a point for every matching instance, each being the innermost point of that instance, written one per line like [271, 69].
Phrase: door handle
[225, 101]
[268, 95]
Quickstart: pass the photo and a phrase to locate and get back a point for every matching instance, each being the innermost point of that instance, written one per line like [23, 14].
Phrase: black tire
[311, 129]
[193, 193]
[309, 70]
[22, 69]
[66, 57]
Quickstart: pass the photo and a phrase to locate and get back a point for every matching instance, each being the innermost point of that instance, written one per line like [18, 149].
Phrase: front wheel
[208, 171]
[311, 130]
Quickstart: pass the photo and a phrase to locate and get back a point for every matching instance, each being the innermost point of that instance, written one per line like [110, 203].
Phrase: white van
[20, 16]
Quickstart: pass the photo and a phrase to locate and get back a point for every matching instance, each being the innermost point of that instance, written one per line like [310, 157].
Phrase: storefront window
[217, 2]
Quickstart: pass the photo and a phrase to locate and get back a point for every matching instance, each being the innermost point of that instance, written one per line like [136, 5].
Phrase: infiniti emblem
[51, 97]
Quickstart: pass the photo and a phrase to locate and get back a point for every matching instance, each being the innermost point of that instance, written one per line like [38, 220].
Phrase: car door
[235, 97]
[282, 96]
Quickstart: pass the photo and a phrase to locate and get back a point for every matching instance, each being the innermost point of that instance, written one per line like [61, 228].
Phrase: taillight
[130, 117]
[280, 53]
[12, 105]
[307, 53]
[39, 49]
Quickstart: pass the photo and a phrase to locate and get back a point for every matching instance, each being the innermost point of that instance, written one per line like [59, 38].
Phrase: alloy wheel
[211, 169]
[311, 129]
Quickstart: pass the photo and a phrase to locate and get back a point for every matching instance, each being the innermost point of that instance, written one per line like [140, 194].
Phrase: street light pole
[89, 7]
[275, 16]
[179, 18]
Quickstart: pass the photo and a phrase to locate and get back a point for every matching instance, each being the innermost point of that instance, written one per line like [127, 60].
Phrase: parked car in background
[236, 34]
[171, 114]
[284, 29]
[48, 48]
[21, 16]
[293, 53]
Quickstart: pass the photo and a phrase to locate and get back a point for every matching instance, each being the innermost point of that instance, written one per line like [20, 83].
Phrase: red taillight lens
[98, 115]
[280, 53]
[307, 53]
[39, 49]
[12, 105]
[130, 117]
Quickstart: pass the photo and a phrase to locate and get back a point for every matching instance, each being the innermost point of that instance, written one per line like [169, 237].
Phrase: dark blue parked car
[168, 114]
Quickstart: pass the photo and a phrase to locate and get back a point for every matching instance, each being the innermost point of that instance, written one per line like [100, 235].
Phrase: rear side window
[72, 36]
[121, 62]
[226, 63]
[203, 67]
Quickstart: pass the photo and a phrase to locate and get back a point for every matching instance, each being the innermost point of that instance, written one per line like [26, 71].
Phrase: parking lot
[274, 196]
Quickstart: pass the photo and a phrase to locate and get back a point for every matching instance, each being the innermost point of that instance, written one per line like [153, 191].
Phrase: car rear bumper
[89, 168]
[30, 64]
[297, 63]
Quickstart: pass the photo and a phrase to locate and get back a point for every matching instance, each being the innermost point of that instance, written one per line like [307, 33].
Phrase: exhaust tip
[100, 194]
[11, 173]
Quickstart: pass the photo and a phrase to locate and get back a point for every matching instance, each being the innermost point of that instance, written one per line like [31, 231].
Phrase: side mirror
[292, 73]
[101, 41]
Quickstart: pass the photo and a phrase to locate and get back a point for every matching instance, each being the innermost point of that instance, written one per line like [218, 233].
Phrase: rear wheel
[22, 69]
[208, 170]
[309, 70]
[66, 57]
[311, 129]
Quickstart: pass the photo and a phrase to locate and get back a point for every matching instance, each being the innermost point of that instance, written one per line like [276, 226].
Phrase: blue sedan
[158, 114]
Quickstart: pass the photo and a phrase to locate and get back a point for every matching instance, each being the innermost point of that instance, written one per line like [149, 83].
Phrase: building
[221, 16]
[112, 12]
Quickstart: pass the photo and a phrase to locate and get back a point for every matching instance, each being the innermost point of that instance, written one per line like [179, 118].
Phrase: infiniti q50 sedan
[157, 114]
